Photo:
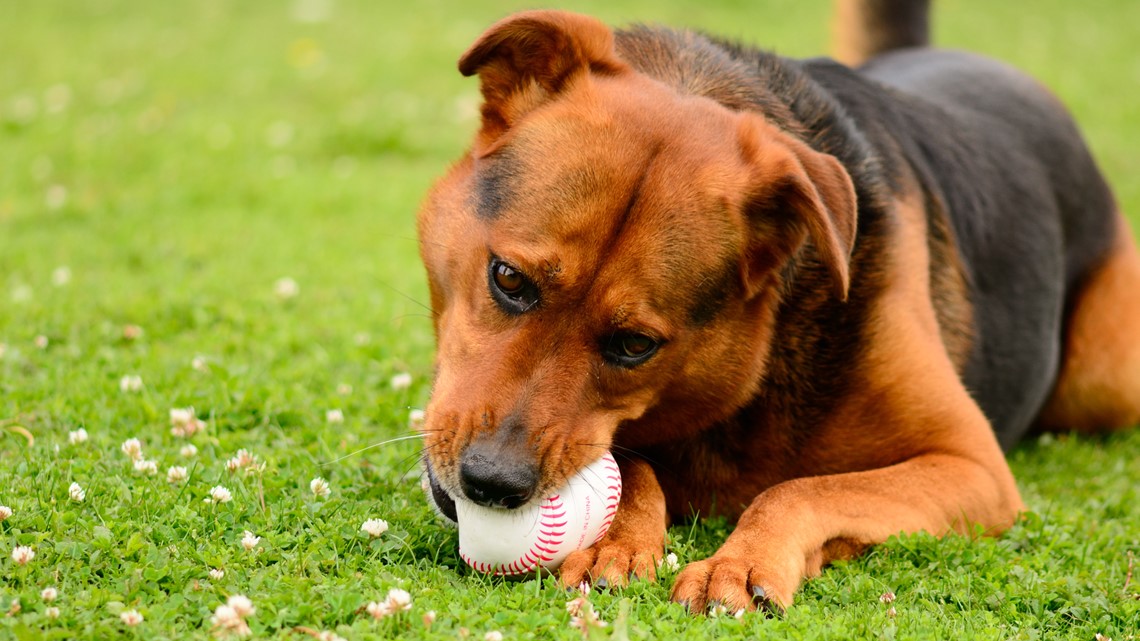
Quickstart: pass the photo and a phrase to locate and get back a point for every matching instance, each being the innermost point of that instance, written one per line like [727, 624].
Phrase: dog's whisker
[380, 444]
[418, 456]
[625, 452]
[407, 297]
[403, 316]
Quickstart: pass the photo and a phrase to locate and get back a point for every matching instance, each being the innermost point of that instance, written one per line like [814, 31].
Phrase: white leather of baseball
[515, 542]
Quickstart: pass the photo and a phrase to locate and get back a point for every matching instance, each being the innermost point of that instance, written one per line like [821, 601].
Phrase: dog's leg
[636, 538]
[1099, 385]
[912, 451]
[795, 528]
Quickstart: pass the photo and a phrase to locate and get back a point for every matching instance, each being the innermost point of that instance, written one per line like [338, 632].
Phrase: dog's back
[1031, 214]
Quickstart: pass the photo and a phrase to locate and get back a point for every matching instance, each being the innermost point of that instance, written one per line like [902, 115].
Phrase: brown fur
[1099, 383]
[812, 309]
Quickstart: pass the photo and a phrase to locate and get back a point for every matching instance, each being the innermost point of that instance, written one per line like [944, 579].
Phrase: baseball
[515, 542]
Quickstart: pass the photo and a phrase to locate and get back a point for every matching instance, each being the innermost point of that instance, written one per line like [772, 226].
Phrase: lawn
[211, 204]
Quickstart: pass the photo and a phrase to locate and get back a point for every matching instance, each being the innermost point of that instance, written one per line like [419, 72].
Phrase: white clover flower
[78, 436]
[334, 416]
[493, 635]
[132, 332]
[217, 574]
[55, 197]
[150, 468]
[375, 527]
[51, 612]
[76, 492]
[22, 294]
[574, 606]
[286, 288]
[49, 594]
[669, 563]
[319, 487]
[243, 460]
[184, 422]
[225, 616]
[176, 474]
[41, 341]
[220, 494]
[227, 621]
[132, 448]
[181, 415]
[326, 635]
[429, 618]
[377, 610]
[131, 617]
[416, 419]
[57, 97]
[5, 512]
[278, 134]
[241, 604]
[195, 426]
[401, 381]
[130, 384]
[344, 389]
[188, 451]
[399, 600]
[61, 276]
[198, 363]
[23, 554]
[249, 541]
[887, 597]
[582, 615]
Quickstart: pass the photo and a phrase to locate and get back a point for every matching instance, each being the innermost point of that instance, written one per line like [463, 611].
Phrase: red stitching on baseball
[552, 526]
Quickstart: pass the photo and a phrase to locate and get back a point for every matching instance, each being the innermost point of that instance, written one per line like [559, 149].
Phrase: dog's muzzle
[438, 497]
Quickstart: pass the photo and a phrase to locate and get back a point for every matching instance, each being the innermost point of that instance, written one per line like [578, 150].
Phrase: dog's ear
[524, 59]
[795, 192]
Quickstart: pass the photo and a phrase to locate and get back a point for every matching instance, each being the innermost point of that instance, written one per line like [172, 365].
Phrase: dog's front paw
[733, 584]
[610, 563]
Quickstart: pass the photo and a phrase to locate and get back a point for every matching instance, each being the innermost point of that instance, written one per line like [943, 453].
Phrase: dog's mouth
[439, 498]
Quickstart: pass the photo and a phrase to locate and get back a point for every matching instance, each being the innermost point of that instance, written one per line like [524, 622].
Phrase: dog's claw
[602, 583]
[763, 603]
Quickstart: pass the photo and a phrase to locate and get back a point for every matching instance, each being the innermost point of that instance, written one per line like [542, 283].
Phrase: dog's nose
[496, 481]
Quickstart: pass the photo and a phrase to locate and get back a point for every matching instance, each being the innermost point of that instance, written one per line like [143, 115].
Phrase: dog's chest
[701, 478]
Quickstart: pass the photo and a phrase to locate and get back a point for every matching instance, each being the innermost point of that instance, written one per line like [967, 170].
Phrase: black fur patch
[714, 292]
[494, 179]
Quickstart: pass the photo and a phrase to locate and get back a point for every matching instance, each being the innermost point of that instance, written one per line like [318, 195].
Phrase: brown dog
[812, 298]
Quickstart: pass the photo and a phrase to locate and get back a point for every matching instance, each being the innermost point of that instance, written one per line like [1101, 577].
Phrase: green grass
[180, 158]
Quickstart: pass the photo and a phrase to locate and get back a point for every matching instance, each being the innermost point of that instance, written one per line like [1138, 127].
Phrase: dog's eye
[513, 291]
[510, 282]
[629, 350]
[636, 346]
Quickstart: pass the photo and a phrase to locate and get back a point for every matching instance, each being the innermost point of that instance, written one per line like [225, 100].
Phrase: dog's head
[606, 260]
